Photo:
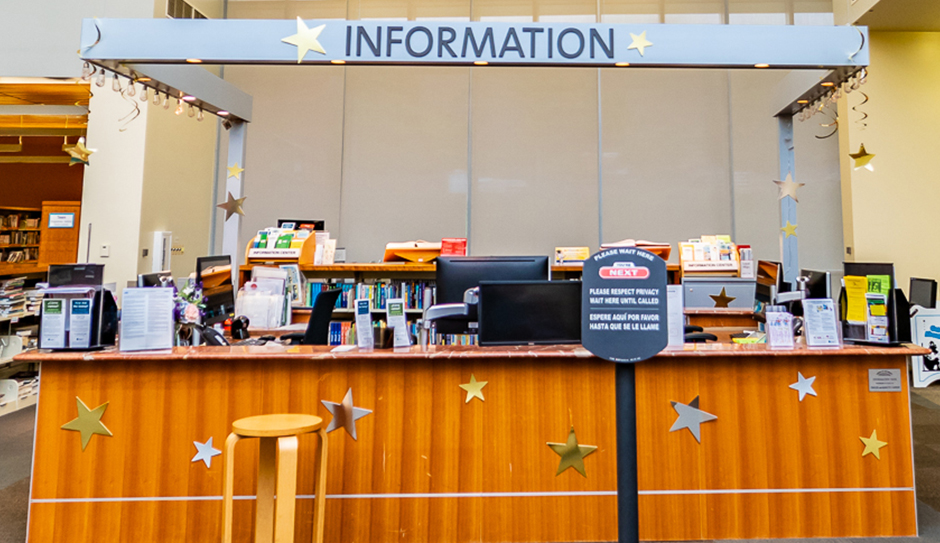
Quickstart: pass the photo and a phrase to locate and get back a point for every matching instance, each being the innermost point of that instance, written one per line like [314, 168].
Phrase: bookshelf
[25, 232]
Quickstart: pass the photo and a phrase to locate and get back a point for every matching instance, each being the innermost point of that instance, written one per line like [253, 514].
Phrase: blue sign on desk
[623, 305]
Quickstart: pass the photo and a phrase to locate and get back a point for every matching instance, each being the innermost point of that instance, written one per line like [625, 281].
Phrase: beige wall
[891, 206]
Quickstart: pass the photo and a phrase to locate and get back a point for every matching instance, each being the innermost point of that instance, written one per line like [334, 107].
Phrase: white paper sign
[675, 315]
[61, 220]
[820, 325]
[147, 319]
[780, 330]
[364, 323]
[926, 333]
[80, 323]
[52, 332]
[395, 316]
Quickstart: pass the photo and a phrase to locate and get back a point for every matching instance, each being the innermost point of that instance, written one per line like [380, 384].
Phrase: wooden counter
[429, 466]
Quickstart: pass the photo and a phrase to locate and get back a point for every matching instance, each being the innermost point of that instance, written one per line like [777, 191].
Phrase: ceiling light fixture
[194, 61]
[143, 92]
[87, 71]
[179, 107]
[191, 111]
[481, 62]
[189, 98]
[338, 61]
[828, 84]
[116, 84]
[142, 79]
[166, 101]
[802, 101]
[200, 116]
[100, 81]
[622, 64]
[222, 113]
[131, 89]
[762, 65]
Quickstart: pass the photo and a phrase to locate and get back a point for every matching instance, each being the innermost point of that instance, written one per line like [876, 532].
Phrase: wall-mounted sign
[61, 220]
[623, 305]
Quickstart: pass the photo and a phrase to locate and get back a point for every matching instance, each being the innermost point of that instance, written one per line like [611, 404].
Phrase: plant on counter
[190, 303]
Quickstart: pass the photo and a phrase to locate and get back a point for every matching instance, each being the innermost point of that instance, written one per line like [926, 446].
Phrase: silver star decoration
[205, 452]
[345, 414]
[788, 187]
[804, 386]
[690, 416]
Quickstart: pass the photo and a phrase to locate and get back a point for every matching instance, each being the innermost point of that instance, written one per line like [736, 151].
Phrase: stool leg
[228, 487]
[286, 489]
[264, 505]
[320, 487]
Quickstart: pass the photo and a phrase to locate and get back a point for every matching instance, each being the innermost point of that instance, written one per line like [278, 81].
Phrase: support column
[234, 185]
[789, 247]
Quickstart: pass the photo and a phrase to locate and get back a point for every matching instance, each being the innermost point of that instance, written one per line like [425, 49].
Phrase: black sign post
[623, 319]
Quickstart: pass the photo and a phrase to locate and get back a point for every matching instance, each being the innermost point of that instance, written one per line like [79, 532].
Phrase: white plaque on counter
[886, 380]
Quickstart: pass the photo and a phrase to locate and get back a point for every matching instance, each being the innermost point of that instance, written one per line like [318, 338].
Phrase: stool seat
[276, 425]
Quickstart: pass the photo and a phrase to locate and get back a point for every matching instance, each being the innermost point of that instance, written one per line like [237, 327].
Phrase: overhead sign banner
[623, 305]
[246, 41]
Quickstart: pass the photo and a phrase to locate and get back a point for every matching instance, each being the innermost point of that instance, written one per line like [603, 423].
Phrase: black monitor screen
[215, 274]
[457, 274]
[923, 292]
[156, 279]
[523, 312]
[66, 275]
[818, 285]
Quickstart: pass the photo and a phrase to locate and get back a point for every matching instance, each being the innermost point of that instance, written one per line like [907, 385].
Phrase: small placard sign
[886, 380]
[61, 220]
[623, 305]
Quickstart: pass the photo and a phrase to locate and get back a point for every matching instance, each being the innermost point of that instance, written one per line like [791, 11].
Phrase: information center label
[623, 305]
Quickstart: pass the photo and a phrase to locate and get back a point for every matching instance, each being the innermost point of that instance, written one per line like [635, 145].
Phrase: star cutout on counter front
[873, 445]
[79, 153]
[691, 417]
[88, 422]
[305, 39]
[235, 171]
[572, 454]
[803, 385]
[205, 452]
[232, 206]
[345, 414]
[722, 299]
[862, 159]
[474, 388]
[789, 229]
[640, 43]
[788, 188]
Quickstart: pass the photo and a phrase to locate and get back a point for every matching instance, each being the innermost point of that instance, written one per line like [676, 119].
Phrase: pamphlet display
[147, 319]
[779, 329]
[876, 330]
[363, 323]
[395, 317]
[623, 305]
[820, 324]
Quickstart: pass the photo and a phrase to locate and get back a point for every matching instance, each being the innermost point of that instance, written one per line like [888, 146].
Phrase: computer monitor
[456, 274]
[215, 274]
[67, 275]
[530, 312]
[158, 279]
[923, 292]
[819, 283]
[769, 277]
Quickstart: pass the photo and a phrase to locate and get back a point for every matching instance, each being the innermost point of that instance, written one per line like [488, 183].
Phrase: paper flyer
[780, 330]
[52, 331]
[80, 323]
[395, 316]
[363, 323]
[147, 319]
[820, 325]
[855, 289]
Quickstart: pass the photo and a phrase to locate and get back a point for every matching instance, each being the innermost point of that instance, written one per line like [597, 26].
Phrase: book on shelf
[12, 296]
[418, 294]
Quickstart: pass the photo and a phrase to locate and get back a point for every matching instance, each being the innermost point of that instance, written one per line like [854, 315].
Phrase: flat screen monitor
[530, 312]
[215, 274]
[157, 279]
[67, 275]
[819, 283]
[456, 274]
[923, 292]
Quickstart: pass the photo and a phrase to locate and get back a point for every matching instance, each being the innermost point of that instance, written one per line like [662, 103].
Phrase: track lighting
[131, 89]
[200, 116]
[87, 71]
[166, 101]
[156, 97]
[192, 111]
[143, 92]
[100, 81]
[179, 107]
[116, 84]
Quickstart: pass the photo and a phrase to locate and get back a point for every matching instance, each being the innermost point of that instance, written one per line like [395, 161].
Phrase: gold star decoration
[640, 43]
[873, 445]
[572, 454]
[862, 159]
[789, 229]
[232, 206]
[88, 422]
[788, 187]
[235, 171]
[722, 299]
[474, 388]
[79, 153]
[305, 39]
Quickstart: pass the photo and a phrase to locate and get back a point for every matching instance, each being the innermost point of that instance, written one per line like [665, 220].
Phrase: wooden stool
[278, 453]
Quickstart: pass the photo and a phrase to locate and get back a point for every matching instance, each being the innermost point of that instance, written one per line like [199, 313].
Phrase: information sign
[623, 305]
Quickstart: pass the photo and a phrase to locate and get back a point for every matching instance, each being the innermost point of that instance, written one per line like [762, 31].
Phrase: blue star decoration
[205, 452]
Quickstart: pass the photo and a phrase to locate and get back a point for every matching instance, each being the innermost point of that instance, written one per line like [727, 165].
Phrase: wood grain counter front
[429, 465]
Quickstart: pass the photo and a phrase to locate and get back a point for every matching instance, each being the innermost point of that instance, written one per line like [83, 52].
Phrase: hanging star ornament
[235, 171]
[640, 43]
[788, 188]
[474, 388]
[88, 422]
[232, 206]
[79, 153]
[722, 299]
[803, 385]
[691, 417]
[873, 445]
[789, 229]
[345, 414]
[305, 39]
[205, 452]
[572, 454]
[862, 159]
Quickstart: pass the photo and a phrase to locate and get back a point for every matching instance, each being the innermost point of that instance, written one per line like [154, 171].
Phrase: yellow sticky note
[855, 289]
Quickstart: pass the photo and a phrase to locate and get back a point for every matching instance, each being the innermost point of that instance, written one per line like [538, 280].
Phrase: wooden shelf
[29, 209]
[18, 245]
[20, 229]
